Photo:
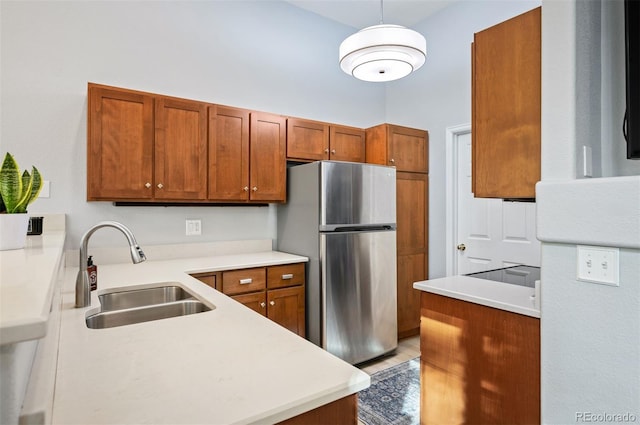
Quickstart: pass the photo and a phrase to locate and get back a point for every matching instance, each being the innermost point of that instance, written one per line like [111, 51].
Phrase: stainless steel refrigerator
[342, 215]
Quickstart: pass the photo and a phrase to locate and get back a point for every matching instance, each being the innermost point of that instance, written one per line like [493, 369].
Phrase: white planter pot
[13, 231]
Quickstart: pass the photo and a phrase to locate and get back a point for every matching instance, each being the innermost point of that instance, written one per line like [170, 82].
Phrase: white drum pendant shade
[383, 53]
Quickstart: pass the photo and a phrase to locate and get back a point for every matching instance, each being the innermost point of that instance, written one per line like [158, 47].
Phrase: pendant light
[383, 52]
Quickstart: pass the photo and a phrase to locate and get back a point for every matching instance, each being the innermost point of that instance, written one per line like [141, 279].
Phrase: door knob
[461, 247]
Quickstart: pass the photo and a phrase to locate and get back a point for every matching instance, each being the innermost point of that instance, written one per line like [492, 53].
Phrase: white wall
[590, 333]
[438, 96]
[261, 55]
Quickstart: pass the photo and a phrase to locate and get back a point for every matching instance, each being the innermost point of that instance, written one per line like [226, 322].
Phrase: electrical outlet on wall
[598, 264]
[194, 227]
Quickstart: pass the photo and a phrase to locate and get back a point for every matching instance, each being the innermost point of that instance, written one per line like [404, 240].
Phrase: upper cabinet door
[180, 149]
[228, 154]
[506, 108]
[346, 144]
[409, 149]
[405, 148]
[120, 145]
[307, 140]
[267, 153]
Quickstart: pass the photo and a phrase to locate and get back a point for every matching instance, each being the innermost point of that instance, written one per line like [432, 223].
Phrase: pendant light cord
[381, 13]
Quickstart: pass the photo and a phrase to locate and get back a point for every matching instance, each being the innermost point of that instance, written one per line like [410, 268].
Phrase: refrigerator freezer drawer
[359, 294]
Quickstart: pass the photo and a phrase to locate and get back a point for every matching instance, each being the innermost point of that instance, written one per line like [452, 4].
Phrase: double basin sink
[129, 306]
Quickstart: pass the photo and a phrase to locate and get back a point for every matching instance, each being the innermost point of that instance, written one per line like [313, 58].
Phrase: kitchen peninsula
[228, 365]
[480, 351]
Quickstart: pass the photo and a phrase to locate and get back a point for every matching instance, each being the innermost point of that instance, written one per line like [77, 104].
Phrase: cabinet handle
[246, 281]
[326, 150]
[246, 188]
[272, 303]
[254, 188]
[147, 185]
[160, 185]
[333, 151]
[263, 305]
[287, 276]
[393, 161]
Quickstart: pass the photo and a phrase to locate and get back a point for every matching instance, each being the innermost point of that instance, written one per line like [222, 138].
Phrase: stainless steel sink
[141, 297]
[126, 307]
[110, 319]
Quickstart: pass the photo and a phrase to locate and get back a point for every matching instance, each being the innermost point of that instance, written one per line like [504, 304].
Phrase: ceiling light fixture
[382, 52]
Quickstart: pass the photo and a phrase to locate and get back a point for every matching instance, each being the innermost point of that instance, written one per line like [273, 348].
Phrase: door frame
[453, 133]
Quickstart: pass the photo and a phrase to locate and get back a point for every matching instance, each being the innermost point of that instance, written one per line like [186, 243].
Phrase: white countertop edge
[438, 286]
[34, 326]
[298, 407]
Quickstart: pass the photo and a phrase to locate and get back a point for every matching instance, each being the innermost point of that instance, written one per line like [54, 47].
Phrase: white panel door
[491, 233]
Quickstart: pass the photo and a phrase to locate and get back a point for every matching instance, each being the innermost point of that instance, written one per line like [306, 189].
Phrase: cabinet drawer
[243, 281]
[286, 275]
[207, 278]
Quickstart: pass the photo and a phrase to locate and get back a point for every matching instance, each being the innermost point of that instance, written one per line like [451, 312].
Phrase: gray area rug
[393, 397]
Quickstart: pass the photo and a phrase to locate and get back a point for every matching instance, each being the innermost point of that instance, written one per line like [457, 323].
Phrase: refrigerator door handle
[339, 228]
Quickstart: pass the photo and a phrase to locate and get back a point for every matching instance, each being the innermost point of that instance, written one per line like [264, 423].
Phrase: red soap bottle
[92, 269]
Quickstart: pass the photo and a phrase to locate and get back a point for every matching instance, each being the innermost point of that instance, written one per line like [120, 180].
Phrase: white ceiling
[363, 13]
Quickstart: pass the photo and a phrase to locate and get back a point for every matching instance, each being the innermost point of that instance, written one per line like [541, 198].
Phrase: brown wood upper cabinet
[246, 155]
[134, 154]
[180, 150]
[405, 148]
[506, 108]
[120, 145]
[143, 147]
[314, 141]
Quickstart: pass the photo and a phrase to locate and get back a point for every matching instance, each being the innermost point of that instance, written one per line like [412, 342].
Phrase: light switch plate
[45, 192]
[194, 227]
[599, 264]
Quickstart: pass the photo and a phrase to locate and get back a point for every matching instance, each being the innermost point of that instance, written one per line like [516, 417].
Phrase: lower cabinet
[276, 292]
[343, 411]
[478, 365]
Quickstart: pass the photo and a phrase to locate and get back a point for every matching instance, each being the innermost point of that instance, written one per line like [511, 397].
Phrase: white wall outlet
[194, 227]
[599, 264]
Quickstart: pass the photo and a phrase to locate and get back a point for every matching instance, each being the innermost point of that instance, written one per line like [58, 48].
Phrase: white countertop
[504, 296]
[27, 280]
[226, 366]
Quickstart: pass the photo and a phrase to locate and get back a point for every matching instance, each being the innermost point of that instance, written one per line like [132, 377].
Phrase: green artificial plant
[17, 191]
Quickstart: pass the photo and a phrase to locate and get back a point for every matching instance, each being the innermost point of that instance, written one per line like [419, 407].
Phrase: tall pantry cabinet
[408, 150]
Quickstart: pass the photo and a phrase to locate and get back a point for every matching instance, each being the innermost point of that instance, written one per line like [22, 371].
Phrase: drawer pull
[245, 281]
[287, 276]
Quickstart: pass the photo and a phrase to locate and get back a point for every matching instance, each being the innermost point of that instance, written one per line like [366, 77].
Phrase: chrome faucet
[83, 292]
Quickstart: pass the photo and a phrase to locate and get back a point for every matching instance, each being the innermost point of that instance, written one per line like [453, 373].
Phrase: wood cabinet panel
[228, 154]
[346, 143]
[287, 275]
[307, 140]
[286, 307]
[340, 412]
[412, 198]
[267, 153]
[412, 205]
[120, 145]
[256, 301]
[506, 108]
[180, 150]
[244, 281]
[411, 268]
[405, 148]
[478, 364]
[208, 278]
[315, 141]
